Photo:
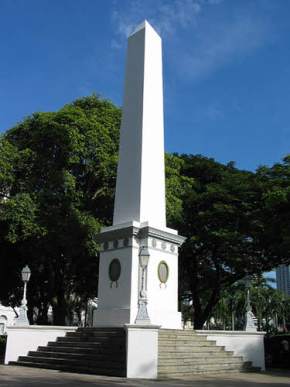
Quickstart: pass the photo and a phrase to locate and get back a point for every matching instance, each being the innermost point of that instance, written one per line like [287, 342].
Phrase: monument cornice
[140, 233]
[160, 234]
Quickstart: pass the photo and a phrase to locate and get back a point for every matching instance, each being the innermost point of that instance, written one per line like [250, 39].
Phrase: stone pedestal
[142, 358]
[118, 297]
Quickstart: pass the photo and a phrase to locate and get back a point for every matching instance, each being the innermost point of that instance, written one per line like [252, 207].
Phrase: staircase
[102, 351]
[99, 351]
[183, 353]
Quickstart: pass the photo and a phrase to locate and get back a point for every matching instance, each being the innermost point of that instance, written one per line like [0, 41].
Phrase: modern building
[283, 279]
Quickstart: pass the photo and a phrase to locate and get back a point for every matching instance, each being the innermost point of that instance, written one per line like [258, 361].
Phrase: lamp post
[142, 317]
[22, 318]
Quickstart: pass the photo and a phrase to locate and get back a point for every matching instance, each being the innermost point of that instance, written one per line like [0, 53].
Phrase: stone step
[188, 343]
[116, 358]
[98, 335]
[86, 345]
[238, 366]
[214, 352]
[184, 353]
[90, 339]
[195, 360]
[197, 339]
[205, 360]
[189, 375]
[83, 350]
[71, 362]
[185, 348]
[187, 351]
[103, 330]
[75, 368]
[95, 351]
[74, 349]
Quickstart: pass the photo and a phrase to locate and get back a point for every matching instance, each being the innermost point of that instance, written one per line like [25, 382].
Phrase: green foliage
[277, 208]
[269, 305]
[8, 158]
[224, 221]
[177, 185]
[20, 213]
[58, 176]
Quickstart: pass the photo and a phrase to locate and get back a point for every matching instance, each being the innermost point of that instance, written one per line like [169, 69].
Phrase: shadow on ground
[28, 377]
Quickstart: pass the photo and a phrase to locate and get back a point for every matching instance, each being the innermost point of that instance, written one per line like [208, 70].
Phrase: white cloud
[166, 15]
[223, 43]
[201, 35]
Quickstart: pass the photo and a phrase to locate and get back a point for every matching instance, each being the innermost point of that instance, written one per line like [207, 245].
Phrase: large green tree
[277, 208]
[57, 184]
[223, 218]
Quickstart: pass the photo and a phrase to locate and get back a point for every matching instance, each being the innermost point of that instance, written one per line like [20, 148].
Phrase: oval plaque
[163, 272]
[114, 271]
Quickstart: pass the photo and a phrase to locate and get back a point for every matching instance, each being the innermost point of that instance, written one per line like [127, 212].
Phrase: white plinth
[142, 351]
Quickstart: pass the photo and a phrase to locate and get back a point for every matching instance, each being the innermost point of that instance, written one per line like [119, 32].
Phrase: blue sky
[226, 67]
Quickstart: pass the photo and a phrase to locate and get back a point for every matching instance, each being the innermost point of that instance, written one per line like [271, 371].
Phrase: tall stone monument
[138, 275]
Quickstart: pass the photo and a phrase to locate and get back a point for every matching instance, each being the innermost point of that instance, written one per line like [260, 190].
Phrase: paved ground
[31, 377]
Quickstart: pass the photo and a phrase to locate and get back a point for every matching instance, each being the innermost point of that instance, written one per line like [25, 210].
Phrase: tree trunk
[42, 318]
[59, 309]
[201, 315]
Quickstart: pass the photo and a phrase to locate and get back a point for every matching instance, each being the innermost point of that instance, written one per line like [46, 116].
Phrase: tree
[57, 189]
[269, 305]
[277, 208]
[224, 222]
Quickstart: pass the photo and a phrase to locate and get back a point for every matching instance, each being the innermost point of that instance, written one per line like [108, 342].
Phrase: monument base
[117, 317]
[135, 351]
[120, 275]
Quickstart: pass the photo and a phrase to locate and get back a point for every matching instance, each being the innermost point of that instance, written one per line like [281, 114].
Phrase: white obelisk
[139, 222]
[140, 190]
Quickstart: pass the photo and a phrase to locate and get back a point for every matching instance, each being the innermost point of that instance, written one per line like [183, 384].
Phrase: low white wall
[250, 345]
[21, 340]
[142, 351]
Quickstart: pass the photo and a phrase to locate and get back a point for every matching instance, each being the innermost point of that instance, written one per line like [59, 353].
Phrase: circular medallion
[106, 245]
[154, 242]
[172, 248]
[114, 270]
[116, 244]
[163, 272]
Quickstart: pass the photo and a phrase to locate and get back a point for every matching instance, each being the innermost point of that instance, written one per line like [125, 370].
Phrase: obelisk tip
[144, 25]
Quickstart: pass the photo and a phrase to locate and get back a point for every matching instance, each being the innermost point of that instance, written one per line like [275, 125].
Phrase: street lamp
[142, 314]
[22, 318]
